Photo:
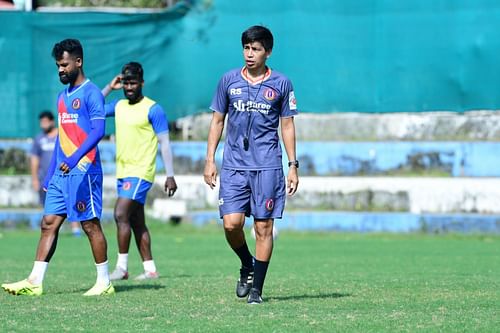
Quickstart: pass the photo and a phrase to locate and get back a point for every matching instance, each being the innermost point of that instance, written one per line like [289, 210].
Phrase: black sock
[259, 275]
[245, 256]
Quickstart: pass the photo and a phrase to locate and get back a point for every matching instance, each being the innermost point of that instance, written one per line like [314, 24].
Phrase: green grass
[317, 282]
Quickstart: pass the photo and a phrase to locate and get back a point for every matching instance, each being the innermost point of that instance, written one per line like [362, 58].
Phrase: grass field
[318, 282]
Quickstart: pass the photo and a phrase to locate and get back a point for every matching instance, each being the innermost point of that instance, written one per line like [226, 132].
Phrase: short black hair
[46, 114]
[133, 69]
[258, 33]
[72, 46]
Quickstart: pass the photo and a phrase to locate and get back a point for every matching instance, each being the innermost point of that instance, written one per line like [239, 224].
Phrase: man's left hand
[292, 181]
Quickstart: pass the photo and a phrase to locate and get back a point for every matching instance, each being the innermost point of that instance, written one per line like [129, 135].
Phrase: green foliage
[107, 3]
[317, 282]
[14, 161]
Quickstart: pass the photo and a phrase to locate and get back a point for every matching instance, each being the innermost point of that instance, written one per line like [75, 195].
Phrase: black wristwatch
[294, 163]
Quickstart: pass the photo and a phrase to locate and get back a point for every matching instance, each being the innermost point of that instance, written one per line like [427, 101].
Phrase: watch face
[295, 163]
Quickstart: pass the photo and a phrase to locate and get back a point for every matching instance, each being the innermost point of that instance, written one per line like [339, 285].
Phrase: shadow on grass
[120, 288]
[299, 297]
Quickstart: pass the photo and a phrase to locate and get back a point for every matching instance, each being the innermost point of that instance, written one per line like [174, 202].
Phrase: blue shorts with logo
[133, 188]
[77, 196]
[260, 193]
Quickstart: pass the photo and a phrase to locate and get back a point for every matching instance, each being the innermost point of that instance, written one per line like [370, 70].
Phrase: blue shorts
[260, 193]
[79, 196]
[133, 188]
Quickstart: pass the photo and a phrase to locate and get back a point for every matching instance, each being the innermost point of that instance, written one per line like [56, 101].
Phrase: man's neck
[79, 80]
[140, 98]
[256, 73]
[52, 133]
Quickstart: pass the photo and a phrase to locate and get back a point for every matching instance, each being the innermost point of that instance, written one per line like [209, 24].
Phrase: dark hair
[133, 69]
[260, 34]
[46, 114]
[72, 46]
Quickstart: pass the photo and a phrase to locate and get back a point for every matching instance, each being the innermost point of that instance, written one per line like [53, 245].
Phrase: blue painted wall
[454, 159]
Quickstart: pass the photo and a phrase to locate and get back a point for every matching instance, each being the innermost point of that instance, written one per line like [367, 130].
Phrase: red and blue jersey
[76, 109]
[254, 110]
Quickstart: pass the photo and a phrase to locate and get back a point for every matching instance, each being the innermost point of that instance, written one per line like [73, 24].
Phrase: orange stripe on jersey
[71, 136]
[68, 148]
[244, 74]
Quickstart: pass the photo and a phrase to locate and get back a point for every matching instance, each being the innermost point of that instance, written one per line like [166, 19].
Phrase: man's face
[255, 55]
[46, 125]
[132, 88]
[68, 68]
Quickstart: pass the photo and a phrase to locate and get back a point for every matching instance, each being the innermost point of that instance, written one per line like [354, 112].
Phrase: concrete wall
[415, 195]
[428, 126]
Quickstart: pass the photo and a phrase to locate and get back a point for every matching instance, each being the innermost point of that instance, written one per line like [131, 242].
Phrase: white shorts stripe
[136, 188]
[91, 197]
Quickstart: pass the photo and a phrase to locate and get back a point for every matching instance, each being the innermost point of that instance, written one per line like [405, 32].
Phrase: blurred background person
[41, 153]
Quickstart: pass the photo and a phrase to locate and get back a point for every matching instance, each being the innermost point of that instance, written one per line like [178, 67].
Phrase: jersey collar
[244, 75]
[77, 88]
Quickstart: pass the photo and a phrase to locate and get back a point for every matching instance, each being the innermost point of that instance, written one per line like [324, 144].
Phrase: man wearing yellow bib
[140, 125]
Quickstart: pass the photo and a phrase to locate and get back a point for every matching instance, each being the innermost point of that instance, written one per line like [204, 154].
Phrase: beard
[68, 78]
[134, 97]
[47, 130]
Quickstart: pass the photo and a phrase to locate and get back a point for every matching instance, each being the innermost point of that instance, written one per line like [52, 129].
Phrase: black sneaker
[245, 282]
[254, 296]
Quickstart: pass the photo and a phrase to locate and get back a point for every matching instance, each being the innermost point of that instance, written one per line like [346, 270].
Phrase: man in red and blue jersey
[255, 99]
[74, 179]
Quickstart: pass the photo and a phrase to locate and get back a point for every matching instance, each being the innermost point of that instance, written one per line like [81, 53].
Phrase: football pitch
[317, 282]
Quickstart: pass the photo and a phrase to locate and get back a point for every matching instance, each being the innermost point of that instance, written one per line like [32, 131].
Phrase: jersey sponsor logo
[269, 94]
[235, 91]
[80, 206]
[251, 106]
[127, 186]
[68, 118]
[269, 204]
[47, 145]
[292, 102]
[221, 201]
[76, 103]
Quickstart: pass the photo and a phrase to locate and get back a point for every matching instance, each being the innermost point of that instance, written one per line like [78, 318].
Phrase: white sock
[149, 266]
[102, 273]
[38, 272]
[122, 261]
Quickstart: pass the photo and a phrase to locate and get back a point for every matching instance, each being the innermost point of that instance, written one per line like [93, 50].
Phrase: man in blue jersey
[74, 178]
[255, 99]
[141, 124]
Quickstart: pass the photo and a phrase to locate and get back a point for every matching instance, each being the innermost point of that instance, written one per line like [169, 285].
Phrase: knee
[91, 228]
[48, 224]
[232, 227]
[121, 217]
[263, 231]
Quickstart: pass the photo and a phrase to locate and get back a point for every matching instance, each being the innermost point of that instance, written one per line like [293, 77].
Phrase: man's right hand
[210, 174]
[116, 83]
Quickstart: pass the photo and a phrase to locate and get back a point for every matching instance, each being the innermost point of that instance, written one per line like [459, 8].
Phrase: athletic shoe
[118, 274]
[254, 296]
[147, 276]
[23, 287]
[245, 282]
[100, 290]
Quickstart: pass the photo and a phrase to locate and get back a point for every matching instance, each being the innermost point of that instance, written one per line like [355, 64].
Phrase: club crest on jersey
[269, 94]
[127, 186]
[76, 103]
[80, 206]
[269, 204]
[292, 102]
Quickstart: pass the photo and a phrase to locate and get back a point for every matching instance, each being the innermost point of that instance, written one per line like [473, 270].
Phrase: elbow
[100, 133]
